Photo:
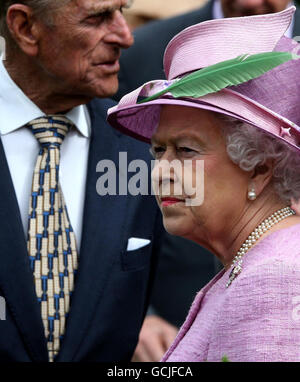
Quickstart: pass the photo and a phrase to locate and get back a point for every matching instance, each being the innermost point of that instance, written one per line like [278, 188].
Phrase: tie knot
[51, 129]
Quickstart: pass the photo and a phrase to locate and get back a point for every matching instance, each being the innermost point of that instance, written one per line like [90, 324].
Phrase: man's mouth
[110, 66]
[168, 201]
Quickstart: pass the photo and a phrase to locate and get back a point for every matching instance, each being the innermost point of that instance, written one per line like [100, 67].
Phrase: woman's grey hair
[249, 147]
[41, 8]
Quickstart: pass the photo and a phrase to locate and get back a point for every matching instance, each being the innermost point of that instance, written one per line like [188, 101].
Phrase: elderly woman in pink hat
[231, 102]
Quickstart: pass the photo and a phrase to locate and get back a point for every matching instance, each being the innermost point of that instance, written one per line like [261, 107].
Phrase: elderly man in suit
[76, 263]
[183, 269]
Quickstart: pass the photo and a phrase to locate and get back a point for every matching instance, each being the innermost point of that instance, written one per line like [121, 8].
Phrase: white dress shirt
[218, 14]
[21, 150]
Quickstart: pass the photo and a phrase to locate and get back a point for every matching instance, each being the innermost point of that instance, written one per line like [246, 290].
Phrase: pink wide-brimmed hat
[270, 102]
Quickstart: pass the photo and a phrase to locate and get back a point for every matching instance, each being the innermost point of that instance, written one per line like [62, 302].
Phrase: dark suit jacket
[184, 266]
[112, 286]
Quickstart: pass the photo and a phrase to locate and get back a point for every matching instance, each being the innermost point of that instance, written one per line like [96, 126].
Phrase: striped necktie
[51, 240]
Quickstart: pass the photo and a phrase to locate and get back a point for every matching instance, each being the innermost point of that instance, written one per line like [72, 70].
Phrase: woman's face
[189, 136]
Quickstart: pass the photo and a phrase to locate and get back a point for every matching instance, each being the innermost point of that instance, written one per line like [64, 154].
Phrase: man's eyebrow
[107, 8]
[100, 9]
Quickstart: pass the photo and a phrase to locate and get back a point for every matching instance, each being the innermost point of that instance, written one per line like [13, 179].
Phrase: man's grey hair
[41, 8]
[249, 147]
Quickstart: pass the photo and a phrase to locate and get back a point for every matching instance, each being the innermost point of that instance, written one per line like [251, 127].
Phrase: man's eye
[98, 18]
[94, 19]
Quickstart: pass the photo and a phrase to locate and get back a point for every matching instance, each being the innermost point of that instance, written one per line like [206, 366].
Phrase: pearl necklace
[253, 237]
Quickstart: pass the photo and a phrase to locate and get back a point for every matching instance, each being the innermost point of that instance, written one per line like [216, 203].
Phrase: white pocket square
[135, 243]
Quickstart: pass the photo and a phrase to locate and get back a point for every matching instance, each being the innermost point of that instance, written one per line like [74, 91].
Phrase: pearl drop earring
[251, 194]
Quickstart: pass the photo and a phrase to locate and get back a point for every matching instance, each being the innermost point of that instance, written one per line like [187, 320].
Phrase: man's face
[81, 51]
[238, 8]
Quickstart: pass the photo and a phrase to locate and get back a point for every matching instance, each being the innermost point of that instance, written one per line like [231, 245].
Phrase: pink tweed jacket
[257, 318]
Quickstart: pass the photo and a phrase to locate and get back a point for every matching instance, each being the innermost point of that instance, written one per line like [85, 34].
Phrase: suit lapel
[16, 278]
[104, 217]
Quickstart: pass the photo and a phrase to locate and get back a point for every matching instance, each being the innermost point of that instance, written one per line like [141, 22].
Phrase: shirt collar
[16, 109]
[218, 14]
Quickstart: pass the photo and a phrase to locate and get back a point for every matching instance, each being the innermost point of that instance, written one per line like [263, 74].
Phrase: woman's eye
[185, 150]
[157, 151]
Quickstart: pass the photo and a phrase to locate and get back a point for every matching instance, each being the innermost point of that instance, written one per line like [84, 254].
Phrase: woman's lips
[168, 201]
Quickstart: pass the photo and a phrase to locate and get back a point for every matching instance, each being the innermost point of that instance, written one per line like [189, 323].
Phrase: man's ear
[261, 177]
[23, 28]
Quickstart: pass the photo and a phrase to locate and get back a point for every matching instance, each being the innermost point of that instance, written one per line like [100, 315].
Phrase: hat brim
[141, 120]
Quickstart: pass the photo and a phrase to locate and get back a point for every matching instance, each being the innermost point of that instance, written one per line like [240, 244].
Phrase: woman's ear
[22, 26]
[261, 176]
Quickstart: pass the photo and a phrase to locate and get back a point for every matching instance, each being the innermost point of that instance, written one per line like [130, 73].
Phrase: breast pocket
[137, 259]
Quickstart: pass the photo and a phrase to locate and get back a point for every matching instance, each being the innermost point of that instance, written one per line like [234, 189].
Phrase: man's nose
[119, 32]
